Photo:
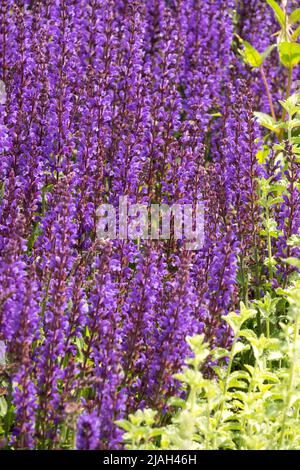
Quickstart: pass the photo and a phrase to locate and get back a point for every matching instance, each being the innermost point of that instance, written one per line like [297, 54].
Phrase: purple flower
[88, 431]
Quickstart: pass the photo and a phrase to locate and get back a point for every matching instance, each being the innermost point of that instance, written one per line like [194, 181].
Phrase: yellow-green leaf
[279, 13]
[289, 53]
[295, 16]
[267, 121]
[250, 55]
[262, 155]
[296, 34]
[293, 262]
[267, 51]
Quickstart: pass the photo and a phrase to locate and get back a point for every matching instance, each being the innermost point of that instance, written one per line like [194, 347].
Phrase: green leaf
[3, 406]
[293, 262]
[294, 240]
[267, 305]
[80, 349]
[270, 262]
[267, 51]
[220, 353]
[294, 123]
[239, 347]
[279, 147]
[250, 55]
[296, 34]
[262, 154]
[248, 334]
[240, 374]
[272, 201]
[235, 383]
[265, 375]
[275, 355]
[289, 53]
[124, 424]
[295, 16]
[236, 321]
[176, 402]
[279, 13]
[232, 427]
[290, 105]
[267, 121]
[36, 231]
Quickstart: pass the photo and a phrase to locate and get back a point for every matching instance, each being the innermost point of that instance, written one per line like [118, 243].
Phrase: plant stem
[228, 372]
[268, 92]
[290, 132]
[290, 381]
[269, 246]
[268, 327]
[257, 291]
[288, 92]
[244, 284]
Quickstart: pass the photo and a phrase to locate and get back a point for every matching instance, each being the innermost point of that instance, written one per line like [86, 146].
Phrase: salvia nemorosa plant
[148, 100]
[252, 401]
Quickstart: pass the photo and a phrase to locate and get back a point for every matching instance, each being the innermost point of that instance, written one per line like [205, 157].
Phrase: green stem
[288, 92]
[257, 290]
[290, 132]
[290, 381]
[269, 246]
[268, 92]
[268, 327]
[244, 284]
[228, 372]
[245, 422]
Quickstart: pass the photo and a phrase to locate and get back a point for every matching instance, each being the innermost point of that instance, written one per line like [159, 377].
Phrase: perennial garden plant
[142, 343]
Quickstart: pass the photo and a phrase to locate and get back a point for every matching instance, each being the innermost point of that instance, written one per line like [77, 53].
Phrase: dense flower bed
[151, 100]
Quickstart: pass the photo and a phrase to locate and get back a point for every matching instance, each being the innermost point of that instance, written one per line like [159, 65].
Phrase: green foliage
[291, 105]
[296, 34]
[267, 121]
[295, 16]
[288, 48]
[250, 405]
[278, 11]
[251, 56]
[3, 406]
[289, 53]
